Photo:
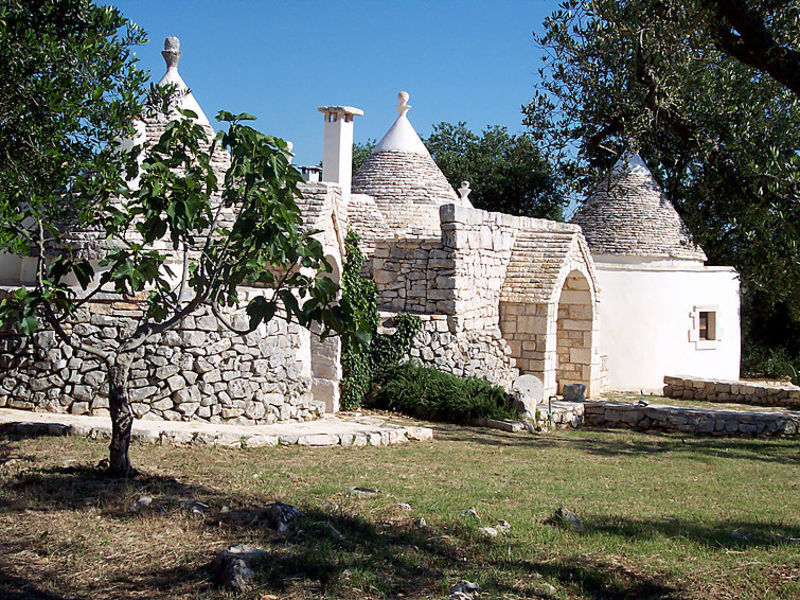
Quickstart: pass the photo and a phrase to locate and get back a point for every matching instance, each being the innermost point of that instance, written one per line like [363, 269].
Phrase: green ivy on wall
[363, 360]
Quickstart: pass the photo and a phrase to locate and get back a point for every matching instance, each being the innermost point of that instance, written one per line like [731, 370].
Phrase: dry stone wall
[458, 274]
[715, 390]
[482, 353]
[691, 420]
[479, 243]
[200, 371]
[414, 275]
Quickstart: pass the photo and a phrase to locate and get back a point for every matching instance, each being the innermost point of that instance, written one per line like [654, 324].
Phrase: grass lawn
[665, 517]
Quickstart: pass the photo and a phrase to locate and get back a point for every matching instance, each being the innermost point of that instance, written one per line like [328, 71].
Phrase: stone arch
[575, 334]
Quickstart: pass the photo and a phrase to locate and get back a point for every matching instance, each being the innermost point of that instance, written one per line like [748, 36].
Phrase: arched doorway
[574, 331]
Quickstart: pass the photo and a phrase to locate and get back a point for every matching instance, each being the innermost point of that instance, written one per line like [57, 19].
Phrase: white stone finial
[171, 52]
[464, 190]
[404, 106]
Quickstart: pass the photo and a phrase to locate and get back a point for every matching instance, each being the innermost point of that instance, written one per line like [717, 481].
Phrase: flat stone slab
[349, 431]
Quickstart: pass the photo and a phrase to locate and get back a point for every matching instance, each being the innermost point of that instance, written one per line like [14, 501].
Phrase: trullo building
[618, 298]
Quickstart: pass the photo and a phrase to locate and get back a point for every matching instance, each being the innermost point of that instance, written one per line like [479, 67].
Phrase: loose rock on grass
[464, 590]
[566, 519]
[233, 567]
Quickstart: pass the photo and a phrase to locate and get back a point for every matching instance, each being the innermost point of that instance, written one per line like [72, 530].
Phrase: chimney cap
[341, 110]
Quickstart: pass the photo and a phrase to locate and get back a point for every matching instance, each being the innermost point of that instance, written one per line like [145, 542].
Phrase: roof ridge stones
[628, 214]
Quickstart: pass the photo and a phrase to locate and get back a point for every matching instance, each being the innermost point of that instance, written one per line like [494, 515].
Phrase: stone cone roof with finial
[92, 244]
[405, 182]
[629, 215]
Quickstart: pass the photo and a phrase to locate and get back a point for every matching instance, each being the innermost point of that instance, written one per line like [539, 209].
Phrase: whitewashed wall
[645, 321]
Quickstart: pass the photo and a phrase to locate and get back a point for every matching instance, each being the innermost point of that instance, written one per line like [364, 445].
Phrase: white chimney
[337, 146]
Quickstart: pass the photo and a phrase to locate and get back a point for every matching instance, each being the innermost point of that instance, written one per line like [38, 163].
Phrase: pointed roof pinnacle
[404, 106]
[630, 163]
[402, 137]
[185, 99]
[172, 52]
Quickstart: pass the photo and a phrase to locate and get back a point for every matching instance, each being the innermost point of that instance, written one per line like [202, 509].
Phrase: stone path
[327, 431]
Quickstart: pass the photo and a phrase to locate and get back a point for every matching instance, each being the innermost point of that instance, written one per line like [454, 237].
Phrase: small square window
[707, 321]
[703, 330]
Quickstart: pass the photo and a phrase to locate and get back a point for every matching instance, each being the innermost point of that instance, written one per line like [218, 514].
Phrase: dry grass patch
[664, 516]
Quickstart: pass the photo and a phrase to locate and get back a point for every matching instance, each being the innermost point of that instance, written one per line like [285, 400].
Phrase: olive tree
[707, 91]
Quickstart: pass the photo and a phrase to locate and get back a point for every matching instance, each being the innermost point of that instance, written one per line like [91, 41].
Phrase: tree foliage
[150, 204]
[706, 91]
[506, 172]
[69, 87]
[366, 357]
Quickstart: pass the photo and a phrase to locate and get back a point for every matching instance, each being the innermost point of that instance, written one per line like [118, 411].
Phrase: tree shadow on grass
[599, 579]
[720, 535]
[620, 442]
[19, 588]
[332, 550]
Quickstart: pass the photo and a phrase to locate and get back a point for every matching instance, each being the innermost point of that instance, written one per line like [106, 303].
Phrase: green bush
[434, 395]
[770, 363]
[363, 360]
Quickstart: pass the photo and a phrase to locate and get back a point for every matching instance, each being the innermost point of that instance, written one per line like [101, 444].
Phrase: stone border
[564, 415]
[362, 434]
[692, 420]
[742, 392]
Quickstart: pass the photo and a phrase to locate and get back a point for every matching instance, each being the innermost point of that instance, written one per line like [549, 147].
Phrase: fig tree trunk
[119, 464]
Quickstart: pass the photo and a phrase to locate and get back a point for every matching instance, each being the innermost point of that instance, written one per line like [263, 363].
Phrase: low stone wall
[743, 392]
[691, 420]
[483, 353]
[200, 371]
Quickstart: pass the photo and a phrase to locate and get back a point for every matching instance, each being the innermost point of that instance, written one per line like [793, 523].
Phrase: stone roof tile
[405, 182]
[535, 268]
[628, 214]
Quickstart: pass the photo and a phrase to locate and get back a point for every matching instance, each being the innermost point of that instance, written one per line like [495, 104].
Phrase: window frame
[712, 328]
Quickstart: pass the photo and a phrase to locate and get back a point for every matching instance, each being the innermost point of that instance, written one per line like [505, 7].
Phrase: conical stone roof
[405, 182]
[92, 244]
[629, 215]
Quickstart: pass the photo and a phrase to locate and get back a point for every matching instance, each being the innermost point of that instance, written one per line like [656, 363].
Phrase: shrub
[770, 363]
[430, 394]
[363, 360]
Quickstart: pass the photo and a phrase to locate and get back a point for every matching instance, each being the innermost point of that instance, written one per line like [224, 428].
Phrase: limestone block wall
[557, 341]
[200, 371]
[691, 420]
[526, 328]
[459, 275]
[735, 391]
[574, 332]
[479, 244]
[414, 275]
[483, 353]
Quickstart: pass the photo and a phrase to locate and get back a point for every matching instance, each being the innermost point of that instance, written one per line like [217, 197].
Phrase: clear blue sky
[460, 61]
